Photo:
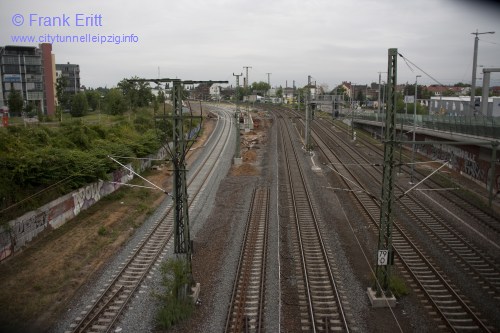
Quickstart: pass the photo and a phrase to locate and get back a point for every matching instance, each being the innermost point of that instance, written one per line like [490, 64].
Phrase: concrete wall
[472, 161]
[56, 213]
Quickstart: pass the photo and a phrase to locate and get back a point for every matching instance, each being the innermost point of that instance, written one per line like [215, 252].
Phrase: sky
[330, 40]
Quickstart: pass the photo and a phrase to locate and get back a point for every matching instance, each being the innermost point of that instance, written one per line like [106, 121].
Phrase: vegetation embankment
[40, 163]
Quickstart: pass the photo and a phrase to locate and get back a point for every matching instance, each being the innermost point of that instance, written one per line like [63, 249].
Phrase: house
[215, 92]
[201, 92]
[436, 90]
[288, 95]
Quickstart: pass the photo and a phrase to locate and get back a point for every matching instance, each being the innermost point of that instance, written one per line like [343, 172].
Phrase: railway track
[104, 313]
[453, 308]
[247, 301]
[320, 305]
[475, 214]
[480, 266]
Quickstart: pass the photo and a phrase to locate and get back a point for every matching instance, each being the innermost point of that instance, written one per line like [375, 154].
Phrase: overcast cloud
[331, 40]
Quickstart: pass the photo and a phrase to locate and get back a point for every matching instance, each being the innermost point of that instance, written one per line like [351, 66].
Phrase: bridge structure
[468, 143]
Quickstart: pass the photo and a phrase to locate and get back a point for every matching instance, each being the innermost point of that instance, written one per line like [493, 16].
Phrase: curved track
[105, 311]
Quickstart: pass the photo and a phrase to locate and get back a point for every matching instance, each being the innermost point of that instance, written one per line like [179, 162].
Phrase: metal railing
[478, 126]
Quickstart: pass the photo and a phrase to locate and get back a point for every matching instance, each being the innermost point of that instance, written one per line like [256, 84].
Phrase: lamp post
[474, 67]
[414, 129]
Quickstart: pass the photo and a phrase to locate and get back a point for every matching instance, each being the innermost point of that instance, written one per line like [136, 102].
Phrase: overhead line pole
[237, 154]
[379, 104]
[385, 251]
[246, 85]
[181, 145]
[308, 114]
[269, 83]
[474, 68]
[246, 81]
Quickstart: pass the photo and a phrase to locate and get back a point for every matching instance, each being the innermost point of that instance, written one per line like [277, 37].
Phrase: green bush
[64, 158]
[176, 306]
[102, 231]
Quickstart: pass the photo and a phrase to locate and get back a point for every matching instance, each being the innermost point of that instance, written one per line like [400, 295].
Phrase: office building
[31, 71]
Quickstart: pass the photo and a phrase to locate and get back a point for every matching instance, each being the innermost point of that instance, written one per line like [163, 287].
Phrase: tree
[279, 92]
[138, 94]
[79, 105]
[340, 90]
[62, 96]
[360, 97]
[93, 99]
[161, 97]
[260, 87]
[15, 101]
[240, 92]
[30, 110]
[115, 102]
[449, 92]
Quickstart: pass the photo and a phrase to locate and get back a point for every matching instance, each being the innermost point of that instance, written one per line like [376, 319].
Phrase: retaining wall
[54, 214]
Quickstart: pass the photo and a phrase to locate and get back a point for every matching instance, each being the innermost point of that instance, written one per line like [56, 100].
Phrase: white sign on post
[409, 99]
[383, 257]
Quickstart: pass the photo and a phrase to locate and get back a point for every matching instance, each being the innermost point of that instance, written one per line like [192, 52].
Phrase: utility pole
[237, 154]
[269, 84]
[308, 114]
[486, 89]
[379, 114]
[178, 152]
[414, 130]
[474, 67]
[246, 81]
[385, 250]
[247, 113]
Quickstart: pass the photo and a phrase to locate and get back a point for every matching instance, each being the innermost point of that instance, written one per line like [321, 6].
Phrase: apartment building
[31, 71]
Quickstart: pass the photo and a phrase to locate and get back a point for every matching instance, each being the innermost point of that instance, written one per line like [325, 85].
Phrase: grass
[176, 306]
[93, 117]
[397, 285]
[38, 282]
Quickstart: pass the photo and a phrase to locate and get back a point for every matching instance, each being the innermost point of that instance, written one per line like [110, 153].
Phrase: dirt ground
[38, 282]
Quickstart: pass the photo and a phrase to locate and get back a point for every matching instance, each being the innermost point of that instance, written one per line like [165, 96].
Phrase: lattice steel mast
[385, 250]
[178, 152]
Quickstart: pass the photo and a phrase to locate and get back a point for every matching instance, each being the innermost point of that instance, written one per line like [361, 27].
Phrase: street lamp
[474, 67]
[414, 129]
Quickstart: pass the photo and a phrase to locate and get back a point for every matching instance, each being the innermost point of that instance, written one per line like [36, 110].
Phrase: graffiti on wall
[89, 195]
[461, 160]
[86, 197]
[21, 231]
[56, 213]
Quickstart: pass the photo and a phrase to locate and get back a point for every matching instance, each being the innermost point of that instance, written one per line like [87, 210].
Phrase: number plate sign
[383, 256]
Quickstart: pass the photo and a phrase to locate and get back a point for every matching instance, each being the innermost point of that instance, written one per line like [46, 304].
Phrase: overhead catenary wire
[381, 164]
[42, 191]
[138, 175]
[350, 181]
[139, 158]
[424, 72]
[420, 182]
